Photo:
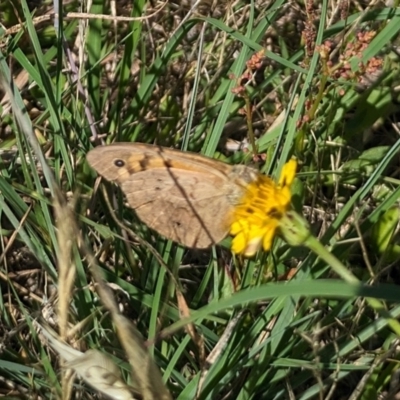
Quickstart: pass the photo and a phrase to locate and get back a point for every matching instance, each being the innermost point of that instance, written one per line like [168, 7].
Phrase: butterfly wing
[180, 195]
[186, 207]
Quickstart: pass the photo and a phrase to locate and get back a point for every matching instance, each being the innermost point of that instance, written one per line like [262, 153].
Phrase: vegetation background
[317, 80]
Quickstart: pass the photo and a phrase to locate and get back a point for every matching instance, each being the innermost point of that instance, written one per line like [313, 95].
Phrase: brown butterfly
[186, 197]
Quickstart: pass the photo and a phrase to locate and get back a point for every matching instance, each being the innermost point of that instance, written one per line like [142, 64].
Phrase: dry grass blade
[144, 371]
[190, 328]
[65, 232]
[94, 367]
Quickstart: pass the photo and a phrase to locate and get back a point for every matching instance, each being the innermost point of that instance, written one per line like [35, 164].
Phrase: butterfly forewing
[183, 196]
[181, 205]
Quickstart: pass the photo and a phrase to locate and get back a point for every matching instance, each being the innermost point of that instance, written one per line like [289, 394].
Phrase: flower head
[258, 214]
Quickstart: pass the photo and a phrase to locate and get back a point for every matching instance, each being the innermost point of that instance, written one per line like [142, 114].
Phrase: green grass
[154, 80]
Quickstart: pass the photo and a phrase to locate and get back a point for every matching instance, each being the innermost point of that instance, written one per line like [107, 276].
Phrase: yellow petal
[252, 246]
[284, 196]
[238, 243]
[268, 238]
[238, 226]
[288, 173]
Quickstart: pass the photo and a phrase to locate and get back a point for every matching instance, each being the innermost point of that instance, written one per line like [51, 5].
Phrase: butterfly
[186, 197]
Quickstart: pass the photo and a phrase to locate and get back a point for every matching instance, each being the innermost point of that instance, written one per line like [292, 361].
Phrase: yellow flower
[258, 215]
